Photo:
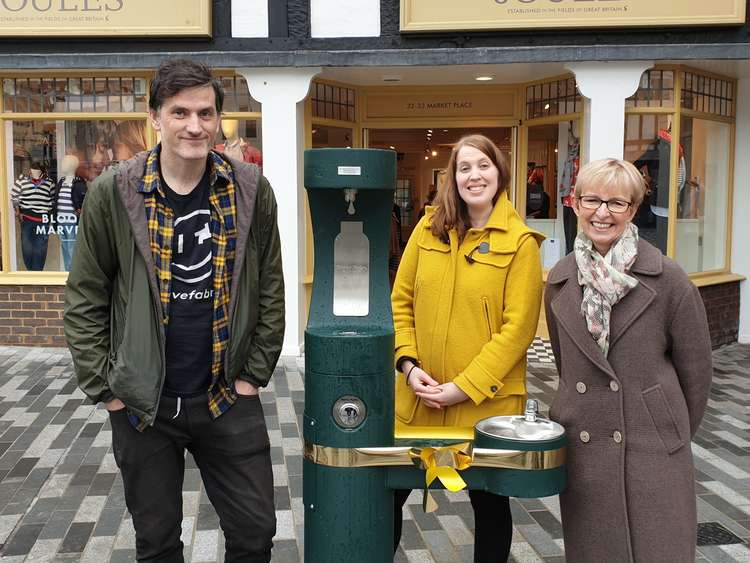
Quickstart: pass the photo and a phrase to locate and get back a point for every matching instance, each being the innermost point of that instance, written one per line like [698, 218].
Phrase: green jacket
[112, 307]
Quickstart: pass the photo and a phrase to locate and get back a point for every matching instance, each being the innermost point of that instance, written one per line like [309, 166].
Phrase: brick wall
[31, 315]
[723, 310]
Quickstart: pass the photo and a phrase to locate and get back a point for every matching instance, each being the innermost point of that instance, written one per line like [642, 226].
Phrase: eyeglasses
[614, 205]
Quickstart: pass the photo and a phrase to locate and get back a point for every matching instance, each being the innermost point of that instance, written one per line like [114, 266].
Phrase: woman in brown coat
[632, 348]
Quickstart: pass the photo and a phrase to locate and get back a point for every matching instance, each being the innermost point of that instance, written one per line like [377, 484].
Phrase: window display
[52, 164]
[648, 142]
[703, 195]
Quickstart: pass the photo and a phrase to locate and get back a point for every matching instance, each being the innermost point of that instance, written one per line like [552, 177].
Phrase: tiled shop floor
[61, 498]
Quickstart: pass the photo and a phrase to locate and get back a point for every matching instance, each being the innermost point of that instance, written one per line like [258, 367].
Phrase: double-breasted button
[585, 437]
[617, 436]
[493, 388]
[614, 386]
[581, 387]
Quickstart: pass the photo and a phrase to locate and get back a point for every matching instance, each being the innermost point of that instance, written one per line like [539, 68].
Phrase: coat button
[617, 436]
[493, 388]
[585, 437]
[614, 386]
[581, 387]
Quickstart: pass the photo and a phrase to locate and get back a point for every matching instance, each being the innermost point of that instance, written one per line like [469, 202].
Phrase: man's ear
[155, 119]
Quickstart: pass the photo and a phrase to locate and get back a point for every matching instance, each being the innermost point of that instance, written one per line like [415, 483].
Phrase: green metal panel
[349, 511]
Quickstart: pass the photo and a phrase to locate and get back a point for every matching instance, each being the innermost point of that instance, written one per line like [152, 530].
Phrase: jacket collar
[648, 262]
[150, 179]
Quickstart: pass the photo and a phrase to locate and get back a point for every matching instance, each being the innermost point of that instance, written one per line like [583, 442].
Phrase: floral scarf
[604, 280]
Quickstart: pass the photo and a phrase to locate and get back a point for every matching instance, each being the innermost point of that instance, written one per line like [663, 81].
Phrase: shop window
[558, 97]
[703, 191]
[655, 90]
[324, 136]
[648, 141]
[402, 198]
[74, 94]
[552, 161]
[50, 167]
[707, 94]
[332, 102]
[237, 95]
[241, 139]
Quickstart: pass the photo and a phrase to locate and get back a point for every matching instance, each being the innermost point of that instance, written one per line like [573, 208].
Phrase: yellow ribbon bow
[442, 463]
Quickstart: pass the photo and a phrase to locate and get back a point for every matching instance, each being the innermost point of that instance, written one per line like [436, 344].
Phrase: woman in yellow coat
[465, 307]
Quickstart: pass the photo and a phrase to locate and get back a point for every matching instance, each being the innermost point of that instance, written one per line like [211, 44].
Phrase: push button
[614, 386]
[585, 437]
[617, 436]
[581, 387]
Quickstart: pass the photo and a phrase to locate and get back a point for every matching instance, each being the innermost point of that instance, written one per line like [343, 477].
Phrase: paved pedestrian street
[61, 497]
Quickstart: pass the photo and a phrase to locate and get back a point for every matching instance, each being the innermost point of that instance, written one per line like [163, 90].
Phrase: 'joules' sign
[448, 15]
[103, 18]
[62, 5]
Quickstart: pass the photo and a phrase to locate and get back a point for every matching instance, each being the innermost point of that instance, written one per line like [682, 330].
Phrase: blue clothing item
[34, 245]
[67, 245]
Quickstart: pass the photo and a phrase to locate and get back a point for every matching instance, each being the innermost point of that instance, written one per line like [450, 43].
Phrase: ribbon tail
[429, 504]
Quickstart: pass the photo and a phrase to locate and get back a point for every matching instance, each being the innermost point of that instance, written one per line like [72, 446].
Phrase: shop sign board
[468, 104]
[449, 15]
[105, 18]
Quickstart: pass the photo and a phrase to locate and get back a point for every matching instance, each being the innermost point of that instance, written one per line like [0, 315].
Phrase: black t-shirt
[189, 333]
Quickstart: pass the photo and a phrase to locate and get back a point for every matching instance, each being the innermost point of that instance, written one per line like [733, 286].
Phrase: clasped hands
[433, 394]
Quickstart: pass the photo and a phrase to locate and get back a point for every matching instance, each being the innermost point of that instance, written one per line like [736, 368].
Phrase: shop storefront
[72, 109]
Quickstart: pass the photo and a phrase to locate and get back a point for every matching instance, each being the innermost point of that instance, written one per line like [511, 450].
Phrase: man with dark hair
[174, 315]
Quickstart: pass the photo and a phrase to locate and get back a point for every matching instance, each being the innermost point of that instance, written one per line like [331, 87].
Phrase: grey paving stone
[22, 540]
[76, 538]
[79, 467]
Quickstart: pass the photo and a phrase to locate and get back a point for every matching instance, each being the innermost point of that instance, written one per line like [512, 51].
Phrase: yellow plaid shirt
[223, 234]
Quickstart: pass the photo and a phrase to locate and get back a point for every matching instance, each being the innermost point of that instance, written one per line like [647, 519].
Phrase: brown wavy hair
[452, 212]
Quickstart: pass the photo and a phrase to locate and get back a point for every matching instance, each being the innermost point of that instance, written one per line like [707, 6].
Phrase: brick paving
[61, 498]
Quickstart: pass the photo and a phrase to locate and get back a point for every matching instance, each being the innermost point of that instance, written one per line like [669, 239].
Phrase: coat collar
[506, 228]
[649, 262]
[566, 305]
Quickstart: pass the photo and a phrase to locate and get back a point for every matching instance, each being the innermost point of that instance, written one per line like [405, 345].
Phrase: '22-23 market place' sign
[105, 18]
[453, 15]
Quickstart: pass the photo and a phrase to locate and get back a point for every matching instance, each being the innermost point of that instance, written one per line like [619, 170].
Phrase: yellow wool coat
[468, 322]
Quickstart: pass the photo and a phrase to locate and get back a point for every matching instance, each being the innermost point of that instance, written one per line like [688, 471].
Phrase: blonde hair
[613, 172]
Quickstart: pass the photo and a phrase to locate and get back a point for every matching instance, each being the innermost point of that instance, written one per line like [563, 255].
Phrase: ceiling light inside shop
[426, 157]
[392, 148]
[434, 153]
[546, 106]
[484, 77]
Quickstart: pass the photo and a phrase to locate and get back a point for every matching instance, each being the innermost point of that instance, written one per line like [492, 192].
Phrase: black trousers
[233, 455]
[493, 525]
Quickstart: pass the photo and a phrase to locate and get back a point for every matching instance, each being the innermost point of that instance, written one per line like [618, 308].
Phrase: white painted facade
[282, 92]
[344, 18]
[741, 204]
[250, 18]
[606, 85]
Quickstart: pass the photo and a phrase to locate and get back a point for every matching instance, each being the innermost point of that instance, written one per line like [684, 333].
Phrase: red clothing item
[249, 153]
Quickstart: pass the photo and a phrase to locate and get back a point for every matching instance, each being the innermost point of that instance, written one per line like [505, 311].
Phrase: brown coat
[630, 417]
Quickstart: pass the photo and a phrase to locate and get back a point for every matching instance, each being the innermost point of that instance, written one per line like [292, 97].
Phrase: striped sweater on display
[35, 198]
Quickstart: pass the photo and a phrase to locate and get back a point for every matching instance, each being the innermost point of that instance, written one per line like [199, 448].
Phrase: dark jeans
[33, 245]
[233, 455]
[493, 525]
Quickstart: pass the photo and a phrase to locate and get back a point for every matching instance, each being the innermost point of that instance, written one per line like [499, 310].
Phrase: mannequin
[235, 146]
[71, 190]
[567, 188]
[33, 197]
